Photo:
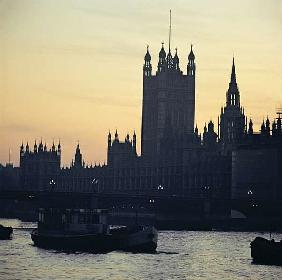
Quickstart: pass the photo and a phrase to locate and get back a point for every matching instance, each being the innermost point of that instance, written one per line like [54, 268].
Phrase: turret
[127, 138]
[116, 136]
[263, 130]
[162, 60]
[134, 142]
[27, 148]
[196, 130]
[210, 127]
[147, 67]
[59, 148]
[53, 148]
[35, 147]
[250, 130]
[169, 61]
[176, 61]
[191, 67]
[40, 146]
[22, 150]
[109, 140]
[205, 128]
[267, 127]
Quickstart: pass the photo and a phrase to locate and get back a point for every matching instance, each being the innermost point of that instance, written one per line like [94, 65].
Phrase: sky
[72, 70]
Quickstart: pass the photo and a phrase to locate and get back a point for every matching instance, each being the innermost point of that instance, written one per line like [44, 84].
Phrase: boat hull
[5, 233]
[72, 242]
[143, 240]
[265, 251]
[140, 241]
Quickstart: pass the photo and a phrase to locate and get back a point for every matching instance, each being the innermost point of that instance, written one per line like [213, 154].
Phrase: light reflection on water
[180, 255]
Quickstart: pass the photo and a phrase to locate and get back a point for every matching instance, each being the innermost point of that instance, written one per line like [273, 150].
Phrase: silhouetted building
[209, 169]
[40, 166]
[168, 102]
[80, 177]
[121, 153]
[9, 177]
[257, 164]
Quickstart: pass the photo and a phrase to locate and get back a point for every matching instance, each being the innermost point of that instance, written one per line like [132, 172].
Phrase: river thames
[180, 255]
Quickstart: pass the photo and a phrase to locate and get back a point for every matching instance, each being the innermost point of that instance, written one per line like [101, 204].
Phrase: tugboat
[88, 230]
[5, 232]
[264, 251]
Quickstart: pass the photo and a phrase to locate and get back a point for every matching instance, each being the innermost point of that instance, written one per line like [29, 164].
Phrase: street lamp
[52, 184]
[94, 183]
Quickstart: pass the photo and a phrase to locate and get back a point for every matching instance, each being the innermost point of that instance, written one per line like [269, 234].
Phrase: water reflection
[180, 255]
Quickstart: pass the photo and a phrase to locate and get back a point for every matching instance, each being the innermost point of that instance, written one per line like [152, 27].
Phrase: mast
[169, 38]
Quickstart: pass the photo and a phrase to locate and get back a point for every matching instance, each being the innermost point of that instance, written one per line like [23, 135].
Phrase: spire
[22, 149]
[233, 95]
[191, 55]
[40, 146]
[35, 147]
[176, 61]
[53, 147]
[109, 139]
[263, 130]
[78, 157]
[147, 55]
[196, 130]
[59, 147]
[267, 126]
[27, 147]
[233, 72]
[116, 137]
[250, 131]
[134, 142]
[127, 138]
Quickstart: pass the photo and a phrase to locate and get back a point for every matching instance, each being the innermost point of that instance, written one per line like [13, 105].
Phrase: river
[180, 255]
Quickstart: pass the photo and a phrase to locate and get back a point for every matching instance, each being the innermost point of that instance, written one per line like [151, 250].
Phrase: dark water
[180, 255]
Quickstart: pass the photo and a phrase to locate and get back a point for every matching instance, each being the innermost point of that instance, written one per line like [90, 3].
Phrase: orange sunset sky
[72, 70]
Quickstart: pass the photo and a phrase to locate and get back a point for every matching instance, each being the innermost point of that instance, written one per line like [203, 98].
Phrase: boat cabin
[73, 220]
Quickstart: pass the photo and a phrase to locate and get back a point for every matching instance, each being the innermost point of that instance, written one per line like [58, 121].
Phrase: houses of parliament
[228, 162]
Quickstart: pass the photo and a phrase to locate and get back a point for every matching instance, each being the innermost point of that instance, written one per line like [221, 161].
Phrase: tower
[168, 101]
[147, 68]
[232, 118]
[78, 157]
